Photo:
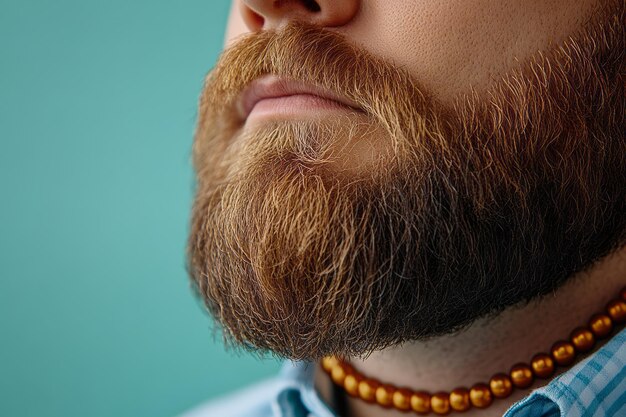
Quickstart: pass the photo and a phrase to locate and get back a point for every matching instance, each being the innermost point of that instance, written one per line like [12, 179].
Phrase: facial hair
[456, 213]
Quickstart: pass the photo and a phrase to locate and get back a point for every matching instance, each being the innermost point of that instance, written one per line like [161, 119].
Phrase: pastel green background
[97, 111]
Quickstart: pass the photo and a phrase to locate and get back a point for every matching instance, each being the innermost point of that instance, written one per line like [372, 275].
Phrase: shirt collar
[596, 383]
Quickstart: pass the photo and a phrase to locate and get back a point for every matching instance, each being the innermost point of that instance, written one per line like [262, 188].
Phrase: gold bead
[480, 396]
[440, 403]
[338, 374]
[351, 384]
[384, 395]
[522, 375]
[563, 353]
[367, 389]
[617, 310]
[582, 339]
[420, 402]
[500, 385]
[328, 362]
[459, 399]
[402, 399]
[543, 365]
[601, 325]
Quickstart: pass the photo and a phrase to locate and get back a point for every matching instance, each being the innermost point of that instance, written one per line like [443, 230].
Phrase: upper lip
[272, 86]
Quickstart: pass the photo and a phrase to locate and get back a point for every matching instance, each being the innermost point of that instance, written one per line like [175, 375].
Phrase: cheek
[451, 46]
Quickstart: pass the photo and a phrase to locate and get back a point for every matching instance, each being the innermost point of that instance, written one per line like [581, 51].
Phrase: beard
[409, 219]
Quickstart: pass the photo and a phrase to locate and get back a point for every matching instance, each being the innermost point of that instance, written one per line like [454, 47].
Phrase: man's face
[474, 159]
[449, 46]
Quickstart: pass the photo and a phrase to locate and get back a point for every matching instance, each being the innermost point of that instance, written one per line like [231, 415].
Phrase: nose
[272, 14]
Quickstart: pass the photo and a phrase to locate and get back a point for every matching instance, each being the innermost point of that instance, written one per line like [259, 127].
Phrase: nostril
[257, 19]
[311, 5]
[261, 15]
[252, 19]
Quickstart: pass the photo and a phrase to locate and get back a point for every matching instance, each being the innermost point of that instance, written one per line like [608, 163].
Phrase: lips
[272, 87]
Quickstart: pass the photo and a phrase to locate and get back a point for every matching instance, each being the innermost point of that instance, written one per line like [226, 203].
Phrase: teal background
[97, 111]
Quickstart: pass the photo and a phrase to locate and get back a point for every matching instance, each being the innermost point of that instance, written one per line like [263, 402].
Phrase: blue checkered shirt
[595, 387]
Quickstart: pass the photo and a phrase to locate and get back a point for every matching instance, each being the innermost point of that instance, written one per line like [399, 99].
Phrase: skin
[453, 47]
[450, 46]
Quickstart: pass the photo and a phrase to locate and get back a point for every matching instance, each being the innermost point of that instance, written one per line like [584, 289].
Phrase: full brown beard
[458, 212]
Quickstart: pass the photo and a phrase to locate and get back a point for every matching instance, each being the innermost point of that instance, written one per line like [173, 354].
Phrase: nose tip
[273, 14]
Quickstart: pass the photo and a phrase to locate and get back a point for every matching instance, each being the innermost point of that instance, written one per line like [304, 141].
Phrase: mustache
[323, 58]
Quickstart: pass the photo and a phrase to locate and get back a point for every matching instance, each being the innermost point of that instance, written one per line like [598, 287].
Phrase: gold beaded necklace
[480, 395]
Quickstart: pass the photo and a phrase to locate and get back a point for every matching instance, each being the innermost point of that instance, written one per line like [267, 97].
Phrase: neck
[488, 346]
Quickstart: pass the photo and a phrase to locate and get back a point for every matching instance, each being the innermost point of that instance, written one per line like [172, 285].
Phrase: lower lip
[300, 105]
